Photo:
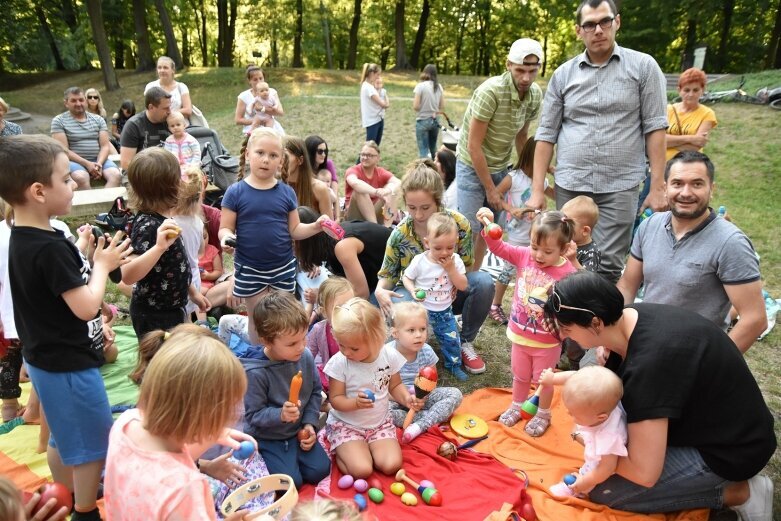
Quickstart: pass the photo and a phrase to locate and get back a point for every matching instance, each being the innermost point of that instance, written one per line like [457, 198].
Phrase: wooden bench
[99, 200]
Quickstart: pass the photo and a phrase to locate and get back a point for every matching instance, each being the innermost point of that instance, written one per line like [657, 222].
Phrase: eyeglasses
[557, 306]
[322, 151]
[368, 155]
[93, 97]
[604, 23]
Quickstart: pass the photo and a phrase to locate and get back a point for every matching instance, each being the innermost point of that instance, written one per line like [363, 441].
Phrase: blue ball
[369, 394]
[360, 501]
[246, 450]
[569, 479]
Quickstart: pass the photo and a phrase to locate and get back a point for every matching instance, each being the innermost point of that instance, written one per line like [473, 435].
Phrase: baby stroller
[221, 169]
[450, 134]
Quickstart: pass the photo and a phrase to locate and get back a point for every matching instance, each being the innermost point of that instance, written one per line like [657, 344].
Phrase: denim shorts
[77, 411]
[75, 167]
[471, 192]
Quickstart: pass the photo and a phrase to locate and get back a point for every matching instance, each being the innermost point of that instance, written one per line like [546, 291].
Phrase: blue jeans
[286, 457]
[686, 482]
[473, 303]
[426, 133]
[471, 193]
[374, 132]
[446, 330]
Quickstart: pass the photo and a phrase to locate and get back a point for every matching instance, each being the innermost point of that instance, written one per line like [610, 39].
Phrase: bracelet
[275, 482]
[574, 436]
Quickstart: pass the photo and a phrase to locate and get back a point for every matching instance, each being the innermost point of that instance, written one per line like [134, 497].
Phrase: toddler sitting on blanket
[592, 396]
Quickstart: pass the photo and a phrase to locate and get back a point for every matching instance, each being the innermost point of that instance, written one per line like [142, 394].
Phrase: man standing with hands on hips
[606, 111]
[497, 117]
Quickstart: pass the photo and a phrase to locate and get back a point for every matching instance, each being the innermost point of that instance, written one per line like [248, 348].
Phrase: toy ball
[494, 231]
[409, 499]
[345, 481]
[360, 501]
[448, 450]
[302, 435]
[375, 483]
[427, 484]
[569, 479]
[398, 488]
[54, 490]
[361, 485]
[376, 495]
[420, 294]
[369, 394]
[245, 450]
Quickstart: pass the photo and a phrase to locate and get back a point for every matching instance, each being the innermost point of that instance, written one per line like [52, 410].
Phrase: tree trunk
[486, 47]
[420, 36]
[352, 47]
[70, 18]
[773, 58]
[329, 55]
[101, 44]
[186, 61]
[727, 9]
[119, 53]
[234, 7]
[171, 47]
[691, 42]
[460, 36]
[200, 25]
[226, 30]
[145, 60]
[401, 45]
[47, 33]
[297, 60]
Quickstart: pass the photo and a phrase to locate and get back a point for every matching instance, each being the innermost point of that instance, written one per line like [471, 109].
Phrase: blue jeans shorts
[471, 193]
[77, 411]
[75, 167]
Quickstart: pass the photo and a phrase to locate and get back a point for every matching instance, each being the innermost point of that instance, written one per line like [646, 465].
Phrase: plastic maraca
[493, 230]
[420, 294]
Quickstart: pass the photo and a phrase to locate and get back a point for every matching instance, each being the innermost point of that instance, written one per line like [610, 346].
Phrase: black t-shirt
[140, 133]
[681, 366]
[165, 287]
[43, 265]
[374, 238]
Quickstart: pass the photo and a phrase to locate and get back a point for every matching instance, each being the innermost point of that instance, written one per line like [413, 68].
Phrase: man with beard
[498, 116]
[690, 258]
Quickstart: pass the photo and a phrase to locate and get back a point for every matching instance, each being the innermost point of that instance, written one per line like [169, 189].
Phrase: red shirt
[378, 180]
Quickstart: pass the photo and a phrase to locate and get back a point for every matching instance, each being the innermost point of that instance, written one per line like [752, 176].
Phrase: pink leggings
[527, 363]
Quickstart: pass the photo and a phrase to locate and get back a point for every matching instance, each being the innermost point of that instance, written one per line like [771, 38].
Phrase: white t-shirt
[249, 100]
[192, 237]
[176, 95]
[371, 112]
[450, 199]
[433, 278]
[429, 100]
[520, 191]
[6, 300]
[358, 376]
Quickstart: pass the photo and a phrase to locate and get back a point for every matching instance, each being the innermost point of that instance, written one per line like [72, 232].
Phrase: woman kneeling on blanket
[682, 376]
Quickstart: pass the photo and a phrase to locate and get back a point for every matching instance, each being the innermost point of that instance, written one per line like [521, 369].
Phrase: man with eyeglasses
[85, 137]
[606, 111]
[371, 192]
[497, 117]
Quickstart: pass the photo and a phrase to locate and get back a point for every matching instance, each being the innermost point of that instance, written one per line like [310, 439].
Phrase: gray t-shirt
[692, 272]
[429, 99]
[83, 136]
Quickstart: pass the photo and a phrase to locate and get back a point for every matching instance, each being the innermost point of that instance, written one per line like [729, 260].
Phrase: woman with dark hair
[126, 111]
[428, 102]
[309, 191]
[357, 257]
[446, 166]
[322, 166]
[246, 99]
[699, 430]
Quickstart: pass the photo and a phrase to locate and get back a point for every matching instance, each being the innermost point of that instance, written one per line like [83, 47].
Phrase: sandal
[510, 417]
[538, 425]
[498, 315]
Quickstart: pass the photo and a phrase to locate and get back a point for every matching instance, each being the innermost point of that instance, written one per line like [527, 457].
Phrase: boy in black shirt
[57, 300]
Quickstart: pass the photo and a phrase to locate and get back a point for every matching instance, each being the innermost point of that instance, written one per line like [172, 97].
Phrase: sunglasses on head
[555, 301]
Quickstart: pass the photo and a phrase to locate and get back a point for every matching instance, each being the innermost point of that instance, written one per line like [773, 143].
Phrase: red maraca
[493, 230]
[425, 382]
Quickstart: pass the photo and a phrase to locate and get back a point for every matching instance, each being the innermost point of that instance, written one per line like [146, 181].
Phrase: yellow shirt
[687, 123]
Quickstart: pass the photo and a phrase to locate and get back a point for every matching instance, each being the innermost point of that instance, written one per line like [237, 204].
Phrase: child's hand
[571, 252]
[517, 213]
[46, 509]
[228, 243]
[290, 412]
[232, 439]
[414, 403]
[310, 295]
[484, 214]
[546, 377]
[320, 220]
[583, 484]
[448, 264]
[309, 442]
[167, 233]
[201, 301]
[363, 402]
[220, 468]
[115, 254]
[85, 233]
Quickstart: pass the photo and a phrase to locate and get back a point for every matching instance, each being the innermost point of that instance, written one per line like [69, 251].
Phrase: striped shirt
[496, 102]
[426, 358]
[599, 115]
[83, 136]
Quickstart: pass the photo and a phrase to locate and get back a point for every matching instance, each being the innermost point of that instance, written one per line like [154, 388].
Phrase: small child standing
[209, 263]
[592, 396]
[269, 416]
[57, 298]
[190, 394]
[516, 190]
[189, 218]
[181, 144]
[264, 99]
[439, 272]
[409, 331]
[321, 342]
[360, 427]
[585, 213]
[534, 346]
[263, 261]
[383, 95]
[159, 270]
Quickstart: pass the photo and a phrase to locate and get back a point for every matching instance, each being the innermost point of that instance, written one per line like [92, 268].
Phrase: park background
[312, 51]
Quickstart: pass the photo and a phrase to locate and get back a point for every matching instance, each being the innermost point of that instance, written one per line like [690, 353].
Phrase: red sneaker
[472, 361]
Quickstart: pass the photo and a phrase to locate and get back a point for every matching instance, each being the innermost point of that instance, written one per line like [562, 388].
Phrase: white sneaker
[759, 506]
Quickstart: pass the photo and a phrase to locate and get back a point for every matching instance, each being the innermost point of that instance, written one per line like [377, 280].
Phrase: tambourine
[249, 491]
[333, 229]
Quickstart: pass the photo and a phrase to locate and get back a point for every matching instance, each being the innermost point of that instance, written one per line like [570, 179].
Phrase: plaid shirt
[598, 115]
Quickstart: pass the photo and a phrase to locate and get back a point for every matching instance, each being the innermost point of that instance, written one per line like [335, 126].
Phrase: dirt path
[36, 124]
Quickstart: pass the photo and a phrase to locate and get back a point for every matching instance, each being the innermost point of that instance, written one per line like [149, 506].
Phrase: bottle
[722, 211]
[646, 214]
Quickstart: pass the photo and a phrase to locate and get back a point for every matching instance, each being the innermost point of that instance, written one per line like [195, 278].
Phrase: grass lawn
[744, 148]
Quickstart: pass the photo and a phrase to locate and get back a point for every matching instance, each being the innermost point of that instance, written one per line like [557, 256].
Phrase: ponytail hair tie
[166, 336]
[537, 211]
[564, 218]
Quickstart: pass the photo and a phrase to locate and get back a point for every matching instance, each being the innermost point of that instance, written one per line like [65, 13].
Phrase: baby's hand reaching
[546, 377]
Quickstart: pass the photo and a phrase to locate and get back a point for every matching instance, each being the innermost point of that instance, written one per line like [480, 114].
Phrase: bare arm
[748, 301]
[277, 109]
[105, 148]
[114, 131]
[347, 251]
[238, 117]
[521, 137]
[187, 106]
[126, 154]
[631, 279]
[416, 102]
[655, 150]
[323, 196]
[694, 141]
[300, 231]
[362, 187]
[646, 449]
[543, 153]
[382, 103]
[604, 469]
[409, 285]
[341, 402]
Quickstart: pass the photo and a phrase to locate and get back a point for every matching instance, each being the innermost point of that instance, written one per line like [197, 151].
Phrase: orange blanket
[546, 459]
